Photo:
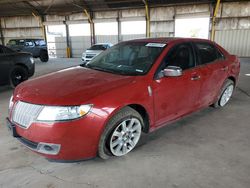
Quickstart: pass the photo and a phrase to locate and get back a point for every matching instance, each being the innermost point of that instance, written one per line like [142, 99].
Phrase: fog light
[50, 149]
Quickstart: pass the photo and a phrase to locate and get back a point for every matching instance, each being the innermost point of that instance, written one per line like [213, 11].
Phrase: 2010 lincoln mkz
[103, 107]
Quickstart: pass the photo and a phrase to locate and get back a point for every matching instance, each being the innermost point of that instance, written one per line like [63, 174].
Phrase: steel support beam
[92, 26]
[68, 50]
[1, 32]
[40, 20]
[214, 19]
[147, 18]
[119, 26]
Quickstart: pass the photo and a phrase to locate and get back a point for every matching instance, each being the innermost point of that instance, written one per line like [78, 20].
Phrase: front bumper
[84, 60]
[71, 140]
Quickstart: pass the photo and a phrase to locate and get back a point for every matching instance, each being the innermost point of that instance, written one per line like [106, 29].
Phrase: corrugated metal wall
[131, 37]
[233, 28]
[235, 41]
[107, 39]
[57, 47]
[79, 44]
[20, 27]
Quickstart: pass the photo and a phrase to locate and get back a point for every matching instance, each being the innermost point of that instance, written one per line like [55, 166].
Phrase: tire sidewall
[225, 86]
[22, 70]
[104, 143]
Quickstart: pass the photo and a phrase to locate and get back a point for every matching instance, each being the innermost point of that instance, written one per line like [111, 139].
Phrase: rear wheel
[121, 134]
[17, 75]
[44, 57]
[225, 95]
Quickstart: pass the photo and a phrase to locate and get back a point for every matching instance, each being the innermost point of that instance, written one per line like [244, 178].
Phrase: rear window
[208, 53]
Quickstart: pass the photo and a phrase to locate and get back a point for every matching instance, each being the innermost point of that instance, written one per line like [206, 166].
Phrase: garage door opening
[79, 38]
[106, 32]
[192, 27]
[133, 29]
[56, 40]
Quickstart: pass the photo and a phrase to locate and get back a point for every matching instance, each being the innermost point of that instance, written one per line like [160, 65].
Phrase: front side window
[207, 53]
[130, 58]
[180, 56]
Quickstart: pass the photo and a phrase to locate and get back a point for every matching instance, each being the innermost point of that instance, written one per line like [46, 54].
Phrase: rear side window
[208, 53]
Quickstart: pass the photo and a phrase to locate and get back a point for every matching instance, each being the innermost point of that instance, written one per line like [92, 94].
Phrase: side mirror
[172, 71]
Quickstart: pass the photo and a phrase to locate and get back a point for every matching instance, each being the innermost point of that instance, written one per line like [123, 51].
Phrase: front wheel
[121, 134]
[17, 75]
[225, 95]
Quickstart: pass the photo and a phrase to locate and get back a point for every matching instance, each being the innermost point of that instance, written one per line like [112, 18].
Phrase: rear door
[214, 71]
[176, 96]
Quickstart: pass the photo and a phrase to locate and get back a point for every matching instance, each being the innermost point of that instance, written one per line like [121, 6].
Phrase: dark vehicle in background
[15, 67]
[37, 47]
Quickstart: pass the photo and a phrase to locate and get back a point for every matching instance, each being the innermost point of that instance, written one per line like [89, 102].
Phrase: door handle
[224, 68]
[194, 78]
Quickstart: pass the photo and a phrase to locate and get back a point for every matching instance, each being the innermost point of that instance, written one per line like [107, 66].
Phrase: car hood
[72, 86]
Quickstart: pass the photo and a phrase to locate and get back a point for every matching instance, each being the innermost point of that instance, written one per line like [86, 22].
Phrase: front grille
[25, 113]
[89, 56]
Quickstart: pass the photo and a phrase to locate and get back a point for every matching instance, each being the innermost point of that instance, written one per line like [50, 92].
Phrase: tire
[44, 57]
[225, 94]
[114, 137]
[17, 75]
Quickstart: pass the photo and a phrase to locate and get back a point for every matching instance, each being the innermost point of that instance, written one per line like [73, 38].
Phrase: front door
[177, 96]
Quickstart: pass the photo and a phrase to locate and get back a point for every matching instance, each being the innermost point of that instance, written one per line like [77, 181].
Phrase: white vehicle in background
[95, 50]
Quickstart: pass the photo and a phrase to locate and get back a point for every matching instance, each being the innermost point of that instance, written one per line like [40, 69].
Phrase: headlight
[84, 54]
[56, 113]
[31, 60]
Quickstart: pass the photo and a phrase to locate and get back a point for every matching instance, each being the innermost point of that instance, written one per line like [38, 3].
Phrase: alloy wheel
[226, 95]
[125, 137]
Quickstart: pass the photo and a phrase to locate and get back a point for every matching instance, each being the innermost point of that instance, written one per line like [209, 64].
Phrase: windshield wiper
[100, 69]
[120, 72]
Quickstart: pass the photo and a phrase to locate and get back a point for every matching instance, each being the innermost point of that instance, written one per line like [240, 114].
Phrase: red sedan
[102, 107]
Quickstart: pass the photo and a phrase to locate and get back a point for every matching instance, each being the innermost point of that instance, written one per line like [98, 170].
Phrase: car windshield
[98, 47]
[129, 58]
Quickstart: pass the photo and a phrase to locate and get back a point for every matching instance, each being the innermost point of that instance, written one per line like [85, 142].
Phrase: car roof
[102, 44]
[26, 39]
[169, 39]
